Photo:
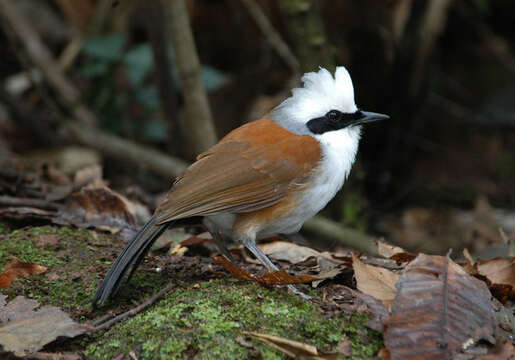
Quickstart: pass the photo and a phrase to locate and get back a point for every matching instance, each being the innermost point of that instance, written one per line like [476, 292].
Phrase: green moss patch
[76, 260]
[201, 318]
[208, 321]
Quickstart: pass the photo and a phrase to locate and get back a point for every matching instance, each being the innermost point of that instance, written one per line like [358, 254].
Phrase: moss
[207, 321]
[204, 321]
[76, 261]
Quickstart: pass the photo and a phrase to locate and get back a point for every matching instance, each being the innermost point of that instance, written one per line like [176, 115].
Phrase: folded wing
[253, 167]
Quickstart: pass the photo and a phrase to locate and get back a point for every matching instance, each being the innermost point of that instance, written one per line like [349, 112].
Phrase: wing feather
[244, 172]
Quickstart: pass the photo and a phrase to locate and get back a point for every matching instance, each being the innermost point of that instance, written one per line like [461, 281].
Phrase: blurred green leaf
[213, 78]
[139, 63]
[97, 68]
[109, 47]
[148, 97]
[155, 130]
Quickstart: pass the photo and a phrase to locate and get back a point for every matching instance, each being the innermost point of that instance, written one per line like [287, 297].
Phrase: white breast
[339, 150]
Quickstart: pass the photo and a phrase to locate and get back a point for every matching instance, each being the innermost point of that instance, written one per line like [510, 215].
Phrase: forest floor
[207, 314]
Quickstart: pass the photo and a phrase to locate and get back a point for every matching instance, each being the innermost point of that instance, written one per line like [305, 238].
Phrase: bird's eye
[333, 115]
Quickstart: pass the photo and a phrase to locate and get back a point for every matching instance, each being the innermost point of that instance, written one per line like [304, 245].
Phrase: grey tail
[132, 255]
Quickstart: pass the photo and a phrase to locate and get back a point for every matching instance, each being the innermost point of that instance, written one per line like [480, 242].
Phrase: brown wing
[249, 169]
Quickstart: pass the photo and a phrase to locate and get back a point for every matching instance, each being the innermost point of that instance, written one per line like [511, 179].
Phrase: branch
[163, 75]
[345, 236]
[272, 36]
[197, 120]
[306, 29]
[43, 59]
[37, 203]
[124, 149]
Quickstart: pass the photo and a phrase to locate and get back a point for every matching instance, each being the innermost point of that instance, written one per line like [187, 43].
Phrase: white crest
[321, 92]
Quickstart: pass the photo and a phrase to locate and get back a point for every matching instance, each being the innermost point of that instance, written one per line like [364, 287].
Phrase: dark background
[439, 174]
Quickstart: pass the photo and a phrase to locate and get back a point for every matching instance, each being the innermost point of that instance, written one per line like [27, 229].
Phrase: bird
[264, 178]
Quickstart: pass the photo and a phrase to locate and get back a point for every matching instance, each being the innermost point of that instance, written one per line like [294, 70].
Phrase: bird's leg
[220, 243]
[219, 240]
[261, 256]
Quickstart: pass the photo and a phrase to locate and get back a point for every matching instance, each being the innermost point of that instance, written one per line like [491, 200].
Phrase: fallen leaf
[386, 250]
[16, 269]
[393, 252]
[438, 310]
[287, 251]
[499, 270]
[98, 207]
[24, 331]
[270, 277]
[375, 281]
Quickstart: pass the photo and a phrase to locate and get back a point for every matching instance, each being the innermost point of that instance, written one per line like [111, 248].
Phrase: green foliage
[205, 322]
[130, 106]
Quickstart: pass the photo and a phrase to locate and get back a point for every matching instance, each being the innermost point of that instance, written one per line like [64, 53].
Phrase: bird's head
[323, 106]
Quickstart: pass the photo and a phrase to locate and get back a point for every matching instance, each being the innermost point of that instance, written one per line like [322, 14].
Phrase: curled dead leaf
[270, 277]
[375, 281]
[16, 269]
[393, 252]
[501, 273]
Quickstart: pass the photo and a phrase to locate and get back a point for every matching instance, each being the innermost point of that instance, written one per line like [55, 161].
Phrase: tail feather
[132, 255]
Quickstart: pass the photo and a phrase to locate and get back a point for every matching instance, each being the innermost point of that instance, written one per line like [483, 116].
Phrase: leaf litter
[424, 293]
[24, 330]
[16, 269]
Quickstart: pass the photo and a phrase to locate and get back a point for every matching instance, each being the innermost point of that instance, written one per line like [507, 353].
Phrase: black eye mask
[333, 120]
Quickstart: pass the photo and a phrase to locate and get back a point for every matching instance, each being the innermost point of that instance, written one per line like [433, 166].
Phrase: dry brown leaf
[393, 252]
[375, 281]
[438, 309]
[24, 331]
[386, 250]
[270, 277]
[98, 207]
[499, 270]
[16, 269]
[287, 251]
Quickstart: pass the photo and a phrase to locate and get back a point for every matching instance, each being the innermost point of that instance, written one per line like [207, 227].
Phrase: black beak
[368, 117]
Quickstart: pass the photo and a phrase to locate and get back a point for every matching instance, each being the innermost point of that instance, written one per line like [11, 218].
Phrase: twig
[43, 59]
[272, 36]
[108, 144]
[345, 236]
[197, 120]
[106, 325]
[37, 203]
[117, 147]
[101, 320]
